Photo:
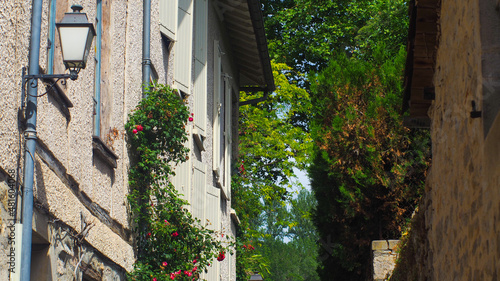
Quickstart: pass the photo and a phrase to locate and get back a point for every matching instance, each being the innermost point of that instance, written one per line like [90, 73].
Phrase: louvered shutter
[168, 18]
[183, 46]
[198, 195]
[200, 69]
[217, 109]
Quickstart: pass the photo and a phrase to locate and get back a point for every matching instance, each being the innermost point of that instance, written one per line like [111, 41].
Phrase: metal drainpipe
[255, 101]
[146, 74]
[146, 48]
[97, 83]
[52, 36]
[30, 136]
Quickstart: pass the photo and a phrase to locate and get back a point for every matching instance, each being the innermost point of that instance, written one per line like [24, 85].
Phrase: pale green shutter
[200, 69]
[184, 173]
[168, 18]
[227, 139]
[183, 46]
[212, 213]
[217, 109]
[198, 195]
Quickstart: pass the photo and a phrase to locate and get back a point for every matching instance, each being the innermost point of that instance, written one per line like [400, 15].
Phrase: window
[218, 88]
[222, 137]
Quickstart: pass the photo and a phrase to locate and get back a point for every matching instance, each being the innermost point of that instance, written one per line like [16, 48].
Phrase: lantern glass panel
[74, 40]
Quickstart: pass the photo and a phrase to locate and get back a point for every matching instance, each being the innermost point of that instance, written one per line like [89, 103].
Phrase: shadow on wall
[414, 256]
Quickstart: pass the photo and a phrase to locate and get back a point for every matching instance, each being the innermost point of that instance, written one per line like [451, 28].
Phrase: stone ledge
[102, 150]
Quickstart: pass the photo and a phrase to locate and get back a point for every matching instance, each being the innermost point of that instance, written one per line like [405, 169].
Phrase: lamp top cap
[76, 8]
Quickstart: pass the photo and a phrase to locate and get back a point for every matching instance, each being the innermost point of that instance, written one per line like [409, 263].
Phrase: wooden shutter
[227, 138]
[183, 46]
[198, 195]
[212, 213]
[168, 18]
[217, 109]
[200, 69]
[184, 174]
[181, 180]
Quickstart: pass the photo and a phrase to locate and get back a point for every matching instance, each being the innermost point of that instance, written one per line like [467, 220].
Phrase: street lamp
[76, 34]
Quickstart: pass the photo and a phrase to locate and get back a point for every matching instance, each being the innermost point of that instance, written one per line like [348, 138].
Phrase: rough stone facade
[81, 227]
[462, 201]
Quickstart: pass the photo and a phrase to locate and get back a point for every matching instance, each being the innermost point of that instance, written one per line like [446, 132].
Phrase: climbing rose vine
[171, 243]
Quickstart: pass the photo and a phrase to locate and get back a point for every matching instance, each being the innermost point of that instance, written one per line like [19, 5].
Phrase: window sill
[223, 190]
[102, 150]
[198, 139]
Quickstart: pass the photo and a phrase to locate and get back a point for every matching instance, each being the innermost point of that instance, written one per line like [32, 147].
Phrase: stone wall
[462, 201]
[385, 254]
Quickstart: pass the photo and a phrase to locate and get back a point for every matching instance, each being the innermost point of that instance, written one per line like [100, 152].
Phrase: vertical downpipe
[30, 136]
[146, 48]
[97, 84]
[146, 74]
[52, 36]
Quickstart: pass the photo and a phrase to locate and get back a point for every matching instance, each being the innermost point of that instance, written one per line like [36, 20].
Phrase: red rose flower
[134, 131]
[139, 128]
[175, 234]
[221, 256]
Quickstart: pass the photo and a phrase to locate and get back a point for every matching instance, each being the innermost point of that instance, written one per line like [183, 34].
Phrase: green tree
[291, 247]
[368, 170]
[271, 146]
[305, 34]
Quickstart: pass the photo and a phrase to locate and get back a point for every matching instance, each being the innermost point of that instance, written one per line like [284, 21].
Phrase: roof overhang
[245, 26]
[420, 62]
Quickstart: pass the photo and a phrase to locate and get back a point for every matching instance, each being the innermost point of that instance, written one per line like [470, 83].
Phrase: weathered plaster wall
[70, 180]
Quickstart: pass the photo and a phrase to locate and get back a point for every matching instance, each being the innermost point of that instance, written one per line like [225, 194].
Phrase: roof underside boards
[244, 22]
[421, 62]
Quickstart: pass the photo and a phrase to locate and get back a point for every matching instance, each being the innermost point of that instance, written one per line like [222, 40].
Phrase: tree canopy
[337, 112]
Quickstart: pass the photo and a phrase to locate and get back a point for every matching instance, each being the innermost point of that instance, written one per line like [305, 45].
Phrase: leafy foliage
[368, 170]
[305, 34]
[171, 243]
[272, 143]
[292, 250]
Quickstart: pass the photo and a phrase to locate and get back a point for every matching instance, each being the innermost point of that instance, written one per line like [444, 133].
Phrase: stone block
[393, 244]
[380, 245]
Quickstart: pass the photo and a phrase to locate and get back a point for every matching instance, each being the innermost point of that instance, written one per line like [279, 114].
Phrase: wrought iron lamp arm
[73, 75]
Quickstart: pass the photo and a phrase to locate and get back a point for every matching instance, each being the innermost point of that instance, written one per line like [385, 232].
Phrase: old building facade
[453, 88]
[207, 49]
